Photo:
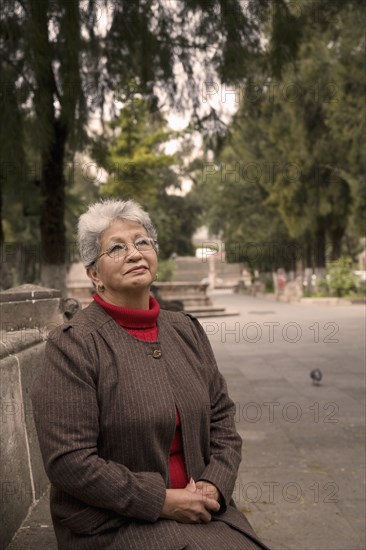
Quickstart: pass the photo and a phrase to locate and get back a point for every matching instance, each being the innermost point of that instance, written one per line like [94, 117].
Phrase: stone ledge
[27, 313]
[27, 292]
[29, 307]
[14, 342]
[326, 301]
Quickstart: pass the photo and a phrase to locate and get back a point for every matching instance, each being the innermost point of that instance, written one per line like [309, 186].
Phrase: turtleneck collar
[130, 317]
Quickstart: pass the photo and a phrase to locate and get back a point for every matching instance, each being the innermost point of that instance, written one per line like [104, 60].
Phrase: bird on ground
[316, 376]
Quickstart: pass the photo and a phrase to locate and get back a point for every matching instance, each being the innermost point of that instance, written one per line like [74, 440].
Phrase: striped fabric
[104, 405]
[142, 324]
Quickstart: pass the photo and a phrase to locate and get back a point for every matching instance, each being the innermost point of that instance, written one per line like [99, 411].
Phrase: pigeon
[316, 376]
[69, 307]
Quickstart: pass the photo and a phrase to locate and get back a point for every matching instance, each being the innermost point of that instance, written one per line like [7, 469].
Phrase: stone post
[211, 272]
[27, 314]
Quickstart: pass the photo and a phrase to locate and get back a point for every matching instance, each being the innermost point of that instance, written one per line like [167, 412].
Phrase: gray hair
[99, 217]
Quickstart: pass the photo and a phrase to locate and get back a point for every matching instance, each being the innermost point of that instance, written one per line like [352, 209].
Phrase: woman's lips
[138, 269]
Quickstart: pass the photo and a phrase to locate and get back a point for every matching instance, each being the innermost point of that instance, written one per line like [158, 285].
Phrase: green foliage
[341, 280]
[139, 169]
[268, 283]
[316, 193]
[58, 68]
[61, 67]
[234, 193]
[82, 188]
[135, 160]
[294, 147]
[176, 219]
[166, 270]
[322, 287]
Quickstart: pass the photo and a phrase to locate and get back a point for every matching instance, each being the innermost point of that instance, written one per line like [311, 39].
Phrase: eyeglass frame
[107, 252]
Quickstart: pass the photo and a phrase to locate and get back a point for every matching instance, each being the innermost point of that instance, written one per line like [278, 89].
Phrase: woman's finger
[205, 517]
[191, 486]
[211, 504]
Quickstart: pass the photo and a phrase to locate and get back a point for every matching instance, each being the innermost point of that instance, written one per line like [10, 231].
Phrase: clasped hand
[193, 504]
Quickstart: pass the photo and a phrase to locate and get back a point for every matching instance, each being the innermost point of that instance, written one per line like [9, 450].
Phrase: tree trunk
[308, 262]
[336, 237]
[307, 258]
[320, 244]
[53, 239]
[5, 274]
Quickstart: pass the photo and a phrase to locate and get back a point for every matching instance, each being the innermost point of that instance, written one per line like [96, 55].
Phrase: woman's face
[127, 274]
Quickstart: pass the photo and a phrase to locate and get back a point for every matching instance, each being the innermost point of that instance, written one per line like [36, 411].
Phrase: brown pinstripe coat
[104, 405]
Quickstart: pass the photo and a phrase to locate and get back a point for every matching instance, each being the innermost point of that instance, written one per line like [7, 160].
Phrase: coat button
[156, 354]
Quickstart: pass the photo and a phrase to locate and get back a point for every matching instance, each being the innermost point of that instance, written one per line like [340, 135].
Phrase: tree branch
[19, 72]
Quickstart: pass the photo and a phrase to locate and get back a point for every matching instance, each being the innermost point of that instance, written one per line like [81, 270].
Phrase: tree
[346, 117]
[139, 168]
[176, 219]
[320, 201]
[66, 67]
[296, 138]
[12, 157]
[43, 49]
[233, 193]
[135, 159]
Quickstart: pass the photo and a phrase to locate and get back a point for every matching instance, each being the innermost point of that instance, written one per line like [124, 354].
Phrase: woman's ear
[92, 273]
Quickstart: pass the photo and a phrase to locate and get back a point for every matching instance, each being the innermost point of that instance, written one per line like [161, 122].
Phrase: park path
[301, 482]
[302, 477]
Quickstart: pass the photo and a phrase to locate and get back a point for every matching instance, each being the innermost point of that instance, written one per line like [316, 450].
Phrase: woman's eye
[142, 242]
[117, 248]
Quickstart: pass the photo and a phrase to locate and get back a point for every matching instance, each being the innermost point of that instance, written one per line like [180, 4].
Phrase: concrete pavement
[302, 478]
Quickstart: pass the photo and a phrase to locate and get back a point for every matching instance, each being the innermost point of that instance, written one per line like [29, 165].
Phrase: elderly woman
[134, 421]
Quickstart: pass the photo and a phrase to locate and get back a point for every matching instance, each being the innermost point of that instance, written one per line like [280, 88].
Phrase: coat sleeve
[225, 442]
[65, 404]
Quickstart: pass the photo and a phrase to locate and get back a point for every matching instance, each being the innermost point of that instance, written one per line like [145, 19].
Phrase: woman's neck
[132, 300]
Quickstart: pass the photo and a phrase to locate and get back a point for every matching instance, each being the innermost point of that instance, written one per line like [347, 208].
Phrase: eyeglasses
[118, 250]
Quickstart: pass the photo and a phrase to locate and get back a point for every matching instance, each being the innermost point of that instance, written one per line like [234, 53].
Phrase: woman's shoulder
[179, 317]
[182, 322]
[85, 321]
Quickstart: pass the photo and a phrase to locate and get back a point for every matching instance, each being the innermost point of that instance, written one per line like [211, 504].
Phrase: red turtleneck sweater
[141, 324]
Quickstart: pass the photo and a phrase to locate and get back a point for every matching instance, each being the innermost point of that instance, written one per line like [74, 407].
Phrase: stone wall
[190, 294]
[195, 270]
[27, 313]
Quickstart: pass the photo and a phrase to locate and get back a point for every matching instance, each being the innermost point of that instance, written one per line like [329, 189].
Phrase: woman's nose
[133, 253]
